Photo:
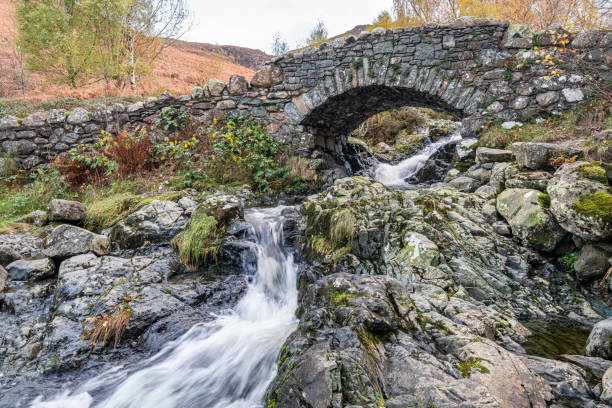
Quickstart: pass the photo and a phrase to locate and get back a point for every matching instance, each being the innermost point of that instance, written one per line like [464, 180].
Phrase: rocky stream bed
[449, 294]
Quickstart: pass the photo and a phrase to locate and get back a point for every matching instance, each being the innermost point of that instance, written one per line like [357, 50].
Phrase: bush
[242, 151]
[172, 118]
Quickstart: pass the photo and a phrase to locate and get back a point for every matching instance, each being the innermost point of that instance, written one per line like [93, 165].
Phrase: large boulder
[238, 85]
[581, 200]
[535, 180]
[67, 241]
[488, 155]
[536, 156]
[156, 222]
[528, 219]
[593, 262]
[8, 255]
[31, 270]
[465, 184]
[599, 343]
[65, 210]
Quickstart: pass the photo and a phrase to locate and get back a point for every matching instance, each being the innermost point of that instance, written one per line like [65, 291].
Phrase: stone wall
[476, 69]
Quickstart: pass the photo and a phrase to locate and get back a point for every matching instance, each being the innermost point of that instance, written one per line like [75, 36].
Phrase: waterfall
[397, 175]
[226, 363]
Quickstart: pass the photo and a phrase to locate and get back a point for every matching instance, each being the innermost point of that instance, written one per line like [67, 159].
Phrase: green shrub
[242, 149]
[172, 118]
[570, 259]
[196, 244]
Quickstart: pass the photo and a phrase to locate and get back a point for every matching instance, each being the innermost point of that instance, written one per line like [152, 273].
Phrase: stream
[228, 362]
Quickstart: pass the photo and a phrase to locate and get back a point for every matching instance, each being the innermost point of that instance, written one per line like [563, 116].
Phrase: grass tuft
[109, 326]
[196, 243]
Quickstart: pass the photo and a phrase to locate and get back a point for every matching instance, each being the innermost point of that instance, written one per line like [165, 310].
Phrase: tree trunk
[132, 65]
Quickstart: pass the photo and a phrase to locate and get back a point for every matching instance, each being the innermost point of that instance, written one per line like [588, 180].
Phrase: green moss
[106, 212]
[358, 64]
[196, 243]
[471, 365]
[597, 205]
[337, 297]
[544, 200]
[593, 171]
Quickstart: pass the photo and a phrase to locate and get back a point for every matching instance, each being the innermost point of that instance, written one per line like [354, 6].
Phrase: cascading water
[397, 175]
[227, 363]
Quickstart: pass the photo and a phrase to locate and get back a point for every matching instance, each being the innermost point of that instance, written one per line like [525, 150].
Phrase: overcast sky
[253, 23]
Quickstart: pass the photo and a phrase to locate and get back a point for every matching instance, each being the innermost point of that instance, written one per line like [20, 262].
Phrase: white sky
[253, 23]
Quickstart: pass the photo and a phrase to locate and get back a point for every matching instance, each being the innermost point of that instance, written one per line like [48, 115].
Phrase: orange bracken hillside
[178, 69]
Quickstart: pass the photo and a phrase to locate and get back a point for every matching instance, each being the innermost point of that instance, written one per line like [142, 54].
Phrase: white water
[396, 175]
[227, 363]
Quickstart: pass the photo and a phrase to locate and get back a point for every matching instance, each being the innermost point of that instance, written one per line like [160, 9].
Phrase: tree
[384, 20]
[318, 33]
[78, 40]
[57, 38]
[279, 46]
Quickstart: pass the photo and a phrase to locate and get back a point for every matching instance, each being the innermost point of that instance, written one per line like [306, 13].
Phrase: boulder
[593, 262]
[465, 184]
[536, 156]
[599, 343]
[8, 255]
[528, 219]
[267, 77]
[37, 218]
[64, 210]
[67, 241]
[238, 85]
[488, 155]
[581, 200]
[156, 222]
[31, 270]
[78, 116]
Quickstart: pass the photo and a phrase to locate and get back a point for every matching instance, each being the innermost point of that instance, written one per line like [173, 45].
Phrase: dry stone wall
[476, 69]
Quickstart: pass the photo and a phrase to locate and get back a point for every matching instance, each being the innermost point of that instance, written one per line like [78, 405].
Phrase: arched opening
[397, 135]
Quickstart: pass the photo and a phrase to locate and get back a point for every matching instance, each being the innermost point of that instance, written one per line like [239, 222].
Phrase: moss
[597, 205]
[570, 259]
[106, 212]
[196, 243]
[168, 196]
[544, 200]
[471, 365]
[338, 298]
[593, 171]
[464, 165]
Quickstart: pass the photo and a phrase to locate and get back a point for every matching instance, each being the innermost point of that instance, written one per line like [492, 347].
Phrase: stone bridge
[476, 69]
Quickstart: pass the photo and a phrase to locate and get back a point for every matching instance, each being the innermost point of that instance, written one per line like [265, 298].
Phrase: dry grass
[178, 69]
[109, 327]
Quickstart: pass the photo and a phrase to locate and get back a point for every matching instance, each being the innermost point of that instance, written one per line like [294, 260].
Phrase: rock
[420, 251]
[238, 85]
[547, 98]
[535, 180]
[3, 278]
[518, 36]
[595, 365]
[317, 164]
[56, 116]
[566, 380]
[216, 87]
[8, 122]
[593, 262]
[21, 147]
[572, 95]
[487, 155]
[8, 255]
[382, 147]
[36, 119]
[606, 387]
[267, 77]
[78, 116]
[66, 241]
[37, 218]
[502, 228]
[197, 92]
[24, 270]
[156, 222]
[486, 192]
[226, 104]
[599, 343]
[528, 219]
[64, 210]
[511, 125]
[465, 184]
[536, 156]
[581, 201]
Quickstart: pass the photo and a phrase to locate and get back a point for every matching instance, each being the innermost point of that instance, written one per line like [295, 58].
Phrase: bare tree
[279, 46]
[318, 33]
[151, 26]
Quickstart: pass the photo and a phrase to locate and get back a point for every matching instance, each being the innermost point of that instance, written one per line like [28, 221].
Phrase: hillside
[178, 69]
